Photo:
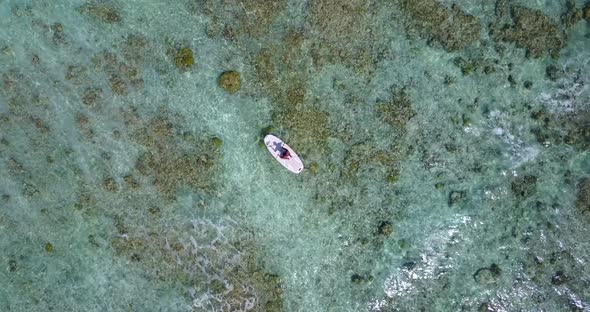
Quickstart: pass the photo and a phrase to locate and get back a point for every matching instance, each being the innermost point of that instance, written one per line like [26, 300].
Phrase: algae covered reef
[445, 143]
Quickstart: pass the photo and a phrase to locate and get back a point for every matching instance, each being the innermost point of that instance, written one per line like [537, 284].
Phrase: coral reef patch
[451, 28]
[529, 29]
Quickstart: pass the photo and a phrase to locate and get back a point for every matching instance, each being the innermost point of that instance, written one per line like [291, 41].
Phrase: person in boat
[284, 154]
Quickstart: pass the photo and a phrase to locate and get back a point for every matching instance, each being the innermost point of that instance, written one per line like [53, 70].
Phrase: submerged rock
[307, 128]
[385, 228]
[227, 265]
[279, 69]
[360, 279]
[270, 129]
[29, 190]
[120, 75]
[403, 244]
[217, 141]
[489, 69]
[101, 11]
[58, 33]
[525, 186]
[572, 15]
[456, 197]
[487, 275]
[528, 84]
[578, 133]
[512, 81]
[175, 159]
[392, 175]
[229, 81]
[583, 198]
[559, 278]
[346, 35]
[130, 181]
[241, 20]
[35, 60]
[110, 184]
[118, 85]
[529, 29]
[91, 95]
[469, 66]
[563, 122]
[356, 278]
[452, 28]
[553, 73]
[283, 77]
[217, 286]
[134, 48]
[398, 110]
[12, 265]
[183, 58]
[365, 154]
[314, 167]
[486, 307]
[48, 248]
[76, 74]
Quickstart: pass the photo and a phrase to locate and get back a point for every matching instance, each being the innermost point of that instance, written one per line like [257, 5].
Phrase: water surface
[445, 142]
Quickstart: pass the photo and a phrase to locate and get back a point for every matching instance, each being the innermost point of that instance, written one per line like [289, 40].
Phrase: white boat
[278, 149]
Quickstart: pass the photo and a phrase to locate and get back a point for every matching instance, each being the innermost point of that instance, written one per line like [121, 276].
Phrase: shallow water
[445, 142]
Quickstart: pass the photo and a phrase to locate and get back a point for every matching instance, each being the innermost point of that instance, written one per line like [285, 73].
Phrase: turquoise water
[446, 149]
